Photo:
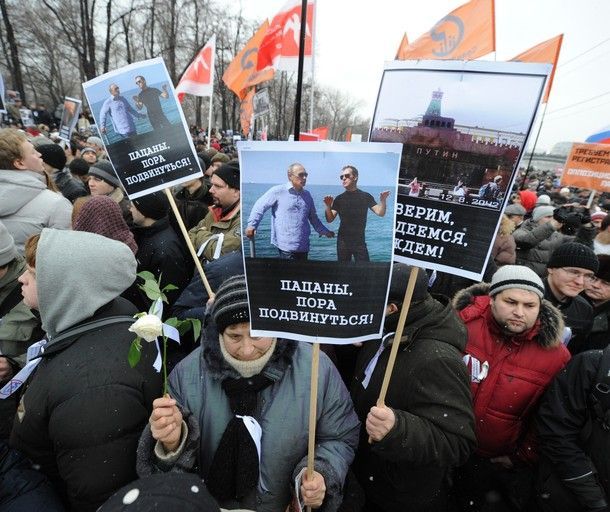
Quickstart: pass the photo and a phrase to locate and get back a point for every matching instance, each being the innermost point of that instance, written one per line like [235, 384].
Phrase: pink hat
[598, 215]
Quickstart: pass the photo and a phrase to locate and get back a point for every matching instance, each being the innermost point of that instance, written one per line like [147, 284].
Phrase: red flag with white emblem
[198, 79]
[279, 49]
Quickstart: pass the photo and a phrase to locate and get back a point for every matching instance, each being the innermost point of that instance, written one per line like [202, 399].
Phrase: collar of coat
[220, 369]
[547, 332]
[219, 214]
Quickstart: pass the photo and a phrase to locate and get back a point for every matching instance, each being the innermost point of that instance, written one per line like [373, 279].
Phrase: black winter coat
[575, 444]
[84, 410]
[430, 395]
[160, 252]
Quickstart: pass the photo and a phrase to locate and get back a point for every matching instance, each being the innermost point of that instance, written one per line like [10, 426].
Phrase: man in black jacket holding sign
[427, 424]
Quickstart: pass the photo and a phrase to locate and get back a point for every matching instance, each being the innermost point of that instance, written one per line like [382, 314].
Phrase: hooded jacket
[519, 370]
[83, 411]
[26, 206]
[282, 412]
[429, 394]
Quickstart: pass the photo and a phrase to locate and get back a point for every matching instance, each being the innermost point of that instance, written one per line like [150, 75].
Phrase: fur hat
[542, 211]
[604, 267]
[573, 254]
[229, 173]
[515, 209]
[400, 279]
[231, 303]
[52, 155]
[104, 170]
[516, 276]
[163, 491]
[154, 206]
[8, 252]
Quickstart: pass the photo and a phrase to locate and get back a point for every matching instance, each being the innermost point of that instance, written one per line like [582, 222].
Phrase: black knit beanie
[231, 303]
[400, 279]
[604, 267]
[229, 173]
[52, 155]
[79, 167]
[573, 254]
[154, 206]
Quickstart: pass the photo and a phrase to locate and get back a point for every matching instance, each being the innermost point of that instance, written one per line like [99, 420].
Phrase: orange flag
[348, 135]
[403, 46]
[321, 132]
[466, 33]
[241, 73]
[545, 52]
[246, 111]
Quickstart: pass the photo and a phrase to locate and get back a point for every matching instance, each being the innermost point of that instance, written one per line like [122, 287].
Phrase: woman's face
[243, 347]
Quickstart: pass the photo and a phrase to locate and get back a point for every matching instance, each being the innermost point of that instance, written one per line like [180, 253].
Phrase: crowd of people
[498, 399]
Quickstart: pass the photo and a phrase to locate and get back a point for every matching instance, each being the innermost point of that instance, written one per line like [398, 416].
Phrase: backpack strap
[600, 394]
[79, 330]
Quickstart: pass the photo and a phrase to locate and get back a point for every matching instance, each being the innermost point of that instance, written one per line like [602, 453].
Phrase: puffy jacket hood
[550, 320]
[76, 274]
[24, 186]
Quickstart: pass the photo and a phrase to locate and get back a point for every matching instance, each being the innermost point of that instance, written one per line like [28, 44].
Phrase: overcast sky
[355, 37]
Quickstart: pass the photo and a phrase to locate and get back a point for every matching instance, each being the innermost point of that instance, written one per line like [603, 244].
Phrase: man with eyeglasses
[570, 268]
[352, 207]
[597, 292]
[292, 213]
[149, 98]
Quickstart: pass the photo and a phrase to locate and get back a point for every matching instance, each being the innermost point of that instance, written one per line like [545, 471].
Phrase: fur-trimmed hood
[507, 226]
[551, 323]
[220, 369]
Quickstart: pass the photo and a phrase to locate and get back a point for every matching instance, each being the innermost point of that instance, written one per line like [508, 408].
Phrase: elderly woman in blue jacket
[238, 415]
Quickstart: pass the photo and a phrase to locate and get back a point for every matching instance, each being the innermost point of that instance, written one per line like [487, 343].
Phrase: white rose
[148, 327]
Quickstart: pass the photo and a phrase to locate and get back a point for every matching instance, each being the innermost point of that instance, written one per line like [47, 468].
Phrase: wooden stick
[313, 408]
[397, 337]
[189, 244]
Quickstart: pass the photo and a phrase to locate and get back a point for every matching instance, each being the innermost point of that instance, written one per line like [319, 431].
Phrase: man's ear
[18, 164]
[390, 309]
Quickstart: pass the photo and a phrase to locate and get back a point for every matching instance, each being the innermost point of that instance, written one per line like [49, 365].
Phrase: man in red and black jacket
[513, 352]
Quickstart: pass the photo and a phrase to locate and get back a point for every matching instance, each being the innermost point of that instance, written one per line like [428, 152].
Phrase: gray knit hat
[516, 276]
[543, 200]
[231, 303]
[542, 211]
[8, 252]
[515, 209]
[105, 171]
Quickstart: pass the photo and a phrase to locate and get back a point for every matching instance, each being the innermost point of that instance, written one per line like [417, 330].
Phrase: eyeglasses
[577, 274]
[301, 175]
[346, 177]
[600, 281]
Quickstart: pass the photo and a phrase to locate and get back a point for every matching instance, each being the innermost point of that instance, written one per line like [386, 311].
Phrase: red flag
[321, 132]
[241, 73]
[348, 135]
[308, 137]
[198, 79]
[466, 33]
[279, 48]
[545, 52]
[246, 110]
[403, 47]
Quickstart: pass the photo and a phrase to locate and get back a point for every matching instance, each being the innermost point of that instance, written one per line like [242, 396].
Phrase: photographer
[547, 229]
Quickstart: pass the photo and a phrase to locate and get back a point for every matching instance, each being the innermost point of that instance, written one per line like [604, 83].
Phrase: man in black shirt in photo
[149, 98]
[352, 207]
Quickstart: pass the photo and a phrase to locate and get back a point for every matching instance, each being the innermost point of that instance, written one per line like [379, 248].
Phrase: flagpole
[210, 116]
[313, 65]
[527, 169]
[297, 106]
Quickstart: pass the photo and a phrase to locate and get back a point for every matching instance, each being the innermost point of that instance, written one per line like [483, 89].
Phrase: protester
[293, 210]
[515, 213]
[223, 218]
[601, 243]
[26, 206]
[89, 155]
[574, 431]
[104, 182]
[528, 199]
[159, 248]
[101, 215]
[192, 200]
[503, 250]
[427, 424]
[223, 381]
[84, 408]
[571, 267]
[54, 159]
[513, 351]
[352, 207]
[19, 327]
[597, 292]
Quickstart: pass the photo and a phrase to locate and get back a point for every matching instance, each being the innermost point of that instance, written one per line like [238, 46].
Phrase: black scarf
[234, 469]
